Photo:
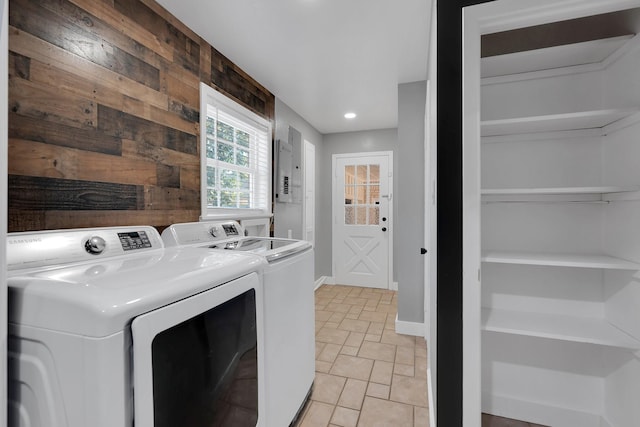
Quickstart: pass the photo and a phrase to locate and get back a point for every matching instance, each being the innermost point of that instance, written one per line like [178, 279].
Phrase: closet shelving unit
[560, 262]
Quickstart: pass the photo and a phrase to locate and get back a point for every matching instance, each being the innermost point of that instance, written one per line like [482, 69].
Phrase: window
[236, 158]
[362, 194]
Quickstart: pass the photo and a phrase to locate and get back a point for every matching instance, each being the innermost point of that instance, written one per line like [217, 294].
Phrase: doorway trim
[391, 285]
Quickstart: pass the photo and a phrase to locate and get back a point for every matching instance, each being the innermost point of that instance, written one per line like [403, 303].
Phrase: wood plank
[46, 74]
[178, 121]
[181, 90]
[122, 125]
[36, 193]
[35, 48]
[167, 16]
[70, 28]
[205, 62]
[51, 104]
[234, 82]
[19, 66]
[126, 25]
[151, 152]
[44, 160]
[184, 111]
[164, 198]
[190, 177]
[186, 49]
[168, 176]
[29, 128]
[55, 219]
[22, 220]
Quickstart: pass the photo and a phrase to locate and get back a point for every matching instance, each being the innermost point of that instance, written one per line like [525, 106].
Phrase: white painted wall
[286, 117]
[410, 196]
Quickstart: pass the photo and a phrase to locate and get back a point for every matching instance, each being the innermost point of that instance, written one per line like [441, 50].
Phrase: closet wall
[560, 234]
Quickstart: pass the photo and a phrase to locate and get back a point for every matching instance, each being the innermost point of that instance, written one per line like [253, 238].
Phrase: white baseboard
[538, 413]
[329, 280]
[409, 328]
[319, 282]
[394, 286]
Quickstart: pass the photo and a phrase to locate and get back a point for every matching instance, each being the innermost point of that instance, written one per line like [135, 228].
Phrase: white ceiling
[322, 58]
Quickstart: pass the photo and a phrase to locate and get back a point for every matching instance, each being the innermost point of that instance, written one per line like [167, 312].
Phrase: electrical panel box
[285, 166]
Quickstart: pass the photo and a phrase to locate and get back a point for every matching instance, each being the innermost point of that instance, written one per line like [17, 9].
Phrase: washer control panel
[134, 240]
[58, 247]
[192, 233]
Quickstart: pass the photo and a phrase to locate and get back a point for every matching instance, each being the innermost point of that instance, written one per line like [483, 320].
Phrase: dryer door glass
[205, 368]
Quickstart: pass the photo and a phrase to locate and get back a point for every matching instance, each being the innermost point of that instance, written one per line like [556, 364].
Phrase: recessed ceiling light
[350, 116]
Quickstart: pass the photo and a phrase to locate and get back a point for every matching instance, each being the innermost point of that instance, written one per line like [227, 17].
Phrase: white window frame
[211, 97]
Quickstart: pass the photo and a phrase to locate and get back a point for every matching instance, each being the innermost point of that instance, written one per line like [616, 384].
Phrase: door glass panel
[374, 174]
[362, 195]
[374, 194]
[349, 215]
[374, 216]
[361, 215]
[349, 174]
[362, 174]
[362, 189]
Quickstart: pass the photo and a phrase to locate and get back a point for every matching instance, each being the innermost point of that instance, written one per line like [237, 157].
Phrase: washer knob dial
[214, 231]
[95, 245]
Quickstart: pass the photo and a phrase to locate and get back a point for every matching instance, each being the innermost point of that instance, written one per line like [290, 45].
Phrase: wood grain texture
[104, 113]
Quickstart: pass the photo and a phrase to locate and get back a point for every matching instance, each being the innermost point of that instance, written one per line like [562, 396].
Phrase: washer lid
[100, 298]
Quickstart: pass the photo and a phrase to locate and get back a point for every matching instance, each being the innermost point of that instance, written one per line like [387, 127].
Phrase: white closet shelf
[554, 122]
[556, 190]
[560, 327]
[559, 260]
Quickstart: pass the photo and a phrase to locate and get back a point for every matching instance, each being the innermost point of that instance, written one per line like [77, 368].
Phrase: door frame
[334, 161]
[309, 185]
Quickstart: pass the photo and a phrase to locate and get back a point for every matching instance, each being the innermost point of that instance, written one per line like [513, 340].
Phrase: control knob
[95, 245]
[214, 231]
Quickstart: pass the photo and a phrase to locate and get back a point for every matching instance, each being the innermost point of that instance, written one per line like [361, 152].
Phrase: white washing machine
[107, 328]
[289, 322]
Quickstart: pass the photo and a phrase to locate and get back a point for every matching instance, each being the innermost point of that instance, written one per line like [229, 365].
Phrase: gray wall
[289, 216]
[341, 143]
[410, 195]
[407, 144]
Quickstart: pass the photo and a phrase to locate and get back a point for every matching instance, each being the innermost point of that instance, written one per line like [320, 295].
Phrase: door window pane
[374, 216]
[362, 174]
[361, 215]
[374, 174]
[362, 194]
[362, 189]
[374, 194]
[349, 215]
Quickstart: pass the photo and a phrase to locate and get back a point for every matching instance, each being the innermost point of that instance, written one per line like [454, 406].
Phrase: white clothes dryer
[107, 328]
[289, 322]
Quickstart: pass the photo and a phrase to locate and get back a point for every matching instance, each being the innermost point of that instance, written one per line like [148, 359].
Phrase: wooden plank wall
[104, 113]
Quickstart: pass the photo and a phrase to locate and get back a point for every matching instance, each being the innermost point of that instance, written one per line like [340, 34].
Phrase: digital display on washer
[134, 240]
[230, 229]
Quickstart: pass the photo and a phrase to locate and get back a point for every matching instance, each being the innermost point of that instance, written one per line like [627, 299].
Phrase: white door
[362, 226]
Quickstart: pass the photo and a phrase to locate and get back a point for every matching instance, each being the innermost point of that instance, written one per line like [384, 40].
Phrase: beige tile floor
[366, 374]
